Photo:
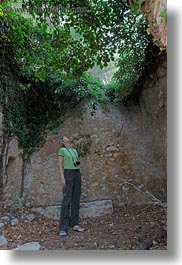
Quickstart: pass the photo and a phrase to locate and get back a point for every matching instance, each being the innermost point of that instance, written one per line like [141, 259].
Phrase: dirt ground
[140, 227]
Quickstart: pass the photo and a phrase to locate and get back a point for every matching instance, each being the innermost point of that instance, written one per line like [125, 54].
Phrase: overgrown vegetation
[51, 52]
[29, 115]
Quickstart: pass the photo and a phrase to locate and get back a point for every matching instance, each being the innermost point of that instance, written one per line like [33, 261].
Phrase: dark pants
[71, 199]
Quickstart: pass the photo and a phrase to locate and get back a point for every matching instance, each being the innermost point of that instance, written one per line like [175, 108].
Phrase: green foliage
[94, 86]
[48, 43]
[52, 52]
[163, 15]
[131, 62]
[135, 6]
[35, 49]
[130, 69]
[72, 44]
[42, 45]
[25, 122]
[95, 26]
[111, 90]
[1, 11]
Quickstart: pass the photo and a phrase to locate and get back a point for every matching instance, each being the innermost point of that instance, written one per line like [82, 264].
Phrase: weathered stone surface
[13, 166]
[29, 246]
[95, 208]
[153, 102]
[3, 241]
[112, 153]
[87, 209]
[49, 211]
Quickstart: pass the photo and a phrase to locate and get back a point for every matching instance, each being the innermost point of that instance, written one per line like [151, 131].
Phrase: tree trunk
[1, 158]
[2, 150]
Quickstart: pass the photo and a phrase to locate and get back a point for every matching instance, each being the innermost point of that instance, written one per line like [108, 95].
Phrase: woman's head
[65, 141]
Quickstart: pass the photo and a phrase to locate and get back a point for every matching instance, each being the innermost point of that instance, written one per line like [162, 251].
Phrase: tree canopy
[69, 37]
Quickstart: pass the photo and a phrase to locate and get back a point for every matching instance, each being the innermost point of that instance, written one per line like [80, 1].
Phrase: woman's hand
[63, 182]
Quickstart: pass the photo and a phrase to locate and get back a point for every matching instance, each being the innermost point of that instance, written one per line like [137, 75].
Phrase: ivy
[1, 11]
[30, 115]
[163, 15]
[136, 6]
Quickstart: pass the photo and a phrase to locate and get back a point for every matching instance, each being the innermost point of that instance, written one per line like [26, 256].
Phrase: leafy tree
[71, 36]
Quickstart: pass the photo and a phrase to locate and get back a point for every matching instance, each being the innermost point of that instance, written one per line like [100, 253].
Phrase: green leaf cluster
[132, 57]
[48, 39]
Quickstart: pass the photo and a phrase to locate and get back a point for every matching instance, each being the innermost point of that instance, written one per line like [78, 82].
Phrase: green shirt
[70, 156]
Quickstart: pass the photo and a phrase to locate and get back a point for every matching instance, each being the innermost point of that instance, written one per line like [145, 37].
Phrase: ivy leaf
[163, 15]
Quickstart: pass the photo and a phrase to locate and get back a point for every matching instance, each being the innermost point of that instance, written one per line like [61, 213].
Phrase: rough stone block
[96, 208]
[49, 211]
[87, 209]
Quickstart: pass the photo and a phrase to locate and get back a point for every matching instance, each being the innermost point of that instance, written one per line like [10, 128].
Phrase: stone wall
[128, 152]
[153, 102]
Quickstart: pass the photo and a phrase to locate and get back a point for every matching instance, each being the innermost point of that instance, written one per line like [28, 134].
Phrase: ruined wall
[128, 150]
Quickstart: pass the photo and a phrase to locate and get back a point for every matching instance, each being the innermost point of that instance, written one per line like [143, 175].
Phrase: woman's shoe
[62, 233]
[77, 228]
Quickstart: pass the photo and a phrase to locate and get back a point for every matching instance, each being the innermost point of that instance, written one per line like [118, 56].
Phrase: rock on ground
[29, 246]
[3, 241]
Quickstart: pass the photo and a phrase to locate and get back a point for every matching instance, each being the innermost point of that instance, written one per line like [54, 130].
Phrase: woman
[71, 181]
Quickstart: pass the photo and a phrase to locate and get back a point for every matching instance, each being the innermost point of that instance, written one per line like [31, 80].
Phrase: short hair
[61, 138]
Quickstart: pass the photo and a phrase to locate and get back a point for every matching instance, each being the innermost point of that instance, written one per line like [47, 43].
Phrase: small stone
[111, 148]
[28, 205]
[3, 241]
[5, 219]
[147, 244]
[29, 217]
[29, 246]
[1, 225]
[14, 221]
[111, 246]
